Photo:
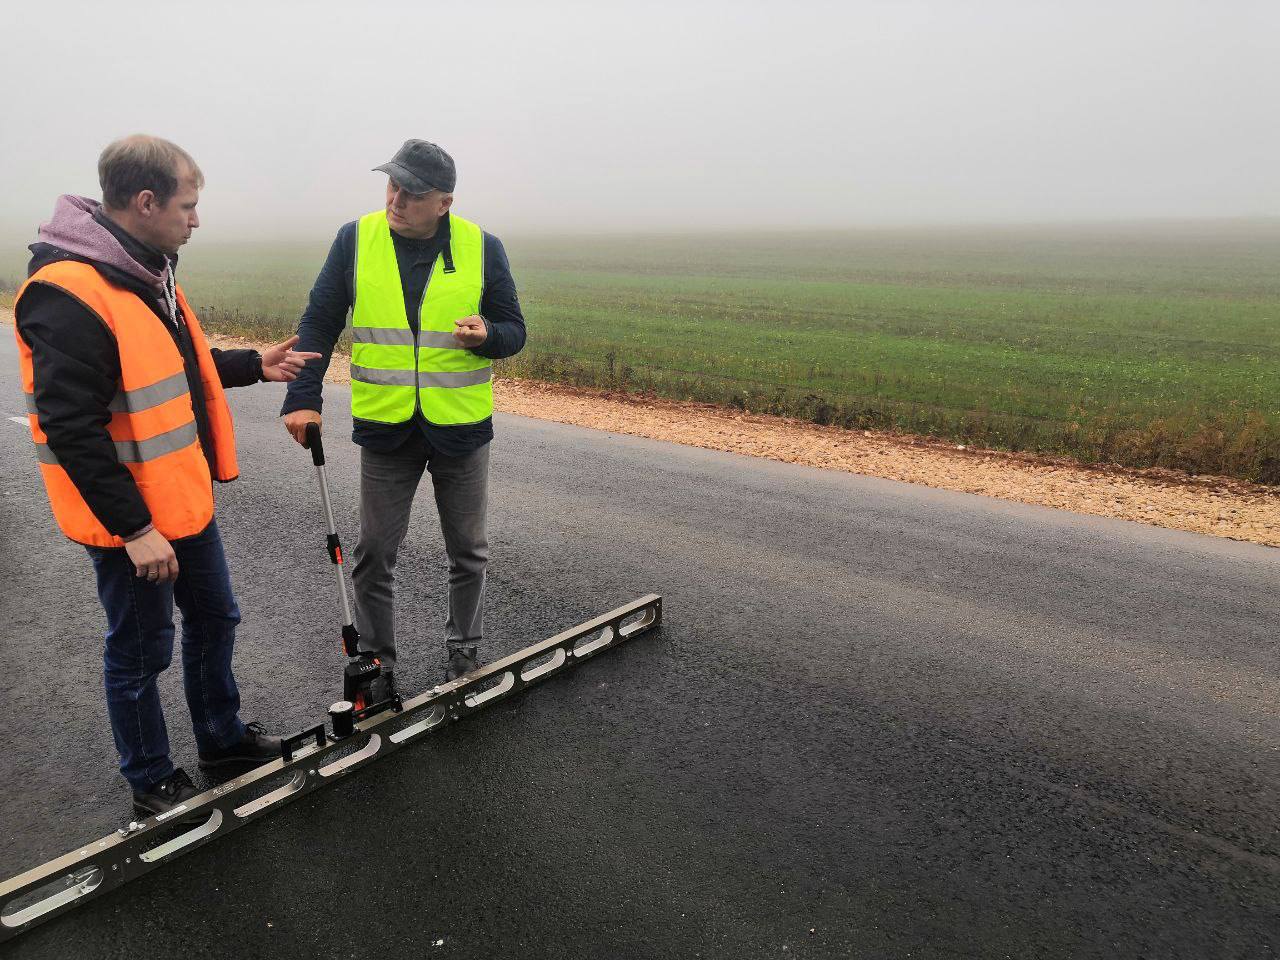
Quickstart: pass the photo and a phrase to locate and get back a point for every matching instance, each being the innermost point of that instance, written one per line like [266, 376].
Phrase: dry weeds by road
[1213, 505]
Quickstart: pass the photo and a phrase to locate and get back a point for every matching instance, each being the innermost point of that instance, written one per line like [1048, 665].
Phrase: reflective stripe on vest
[143, 398]
[139, 451]
[394, 372]
[152, 424]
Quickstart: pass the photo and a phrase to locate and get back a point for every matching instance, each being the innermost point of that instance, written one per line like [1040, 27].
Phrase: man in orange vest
[131, 426]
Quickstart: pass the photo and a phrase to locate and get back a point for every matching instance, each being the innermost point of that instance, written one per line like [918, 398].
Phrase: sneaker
[256, 747]
[462, 660]
[173, 791]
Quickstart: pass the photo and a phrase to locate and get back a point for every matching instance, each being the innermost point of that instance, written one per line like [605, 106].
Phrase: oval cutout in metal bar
[541, 666]
[497, 689]
[589, 645]
[433, 719]
[50, 896]
[185, 839]
[637, 621]
[293, 785]
[370, 750]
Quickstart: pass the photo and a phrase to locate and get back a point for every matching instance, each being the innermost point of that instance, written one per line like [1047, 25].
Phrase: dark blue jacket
[326, 317]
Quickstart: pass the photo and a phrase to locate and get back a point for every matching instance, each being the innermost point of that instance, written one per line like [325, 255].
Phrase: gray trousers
[387, 486]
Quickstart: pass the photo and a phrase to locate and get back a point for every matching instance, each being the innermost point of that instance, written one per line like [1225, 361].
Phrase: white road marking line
[21, 420]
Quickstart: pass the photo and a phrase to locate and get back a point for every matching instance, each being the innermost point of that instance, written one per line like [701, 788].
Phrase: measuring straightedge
[310, 760]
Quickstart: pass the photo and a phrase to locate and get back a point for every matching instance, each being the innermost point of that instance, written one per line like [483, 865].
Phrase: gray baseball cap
[420, 166]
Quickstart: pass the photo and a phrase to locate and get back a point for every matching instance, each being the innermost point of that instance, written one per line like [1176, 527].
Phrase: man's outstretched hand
[281, 363]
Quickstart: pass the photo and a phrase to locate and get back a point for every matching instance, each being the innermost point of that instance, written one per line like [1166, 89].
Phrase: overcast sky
[653, 116]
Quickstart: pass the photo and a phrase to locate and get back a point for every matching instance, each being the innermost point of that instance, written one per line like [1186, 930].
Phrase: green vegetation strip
[1132, 345]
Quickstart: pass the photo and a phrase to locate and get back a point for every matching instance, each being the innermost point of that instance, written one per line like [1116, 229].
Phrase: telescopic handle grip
[314, 445]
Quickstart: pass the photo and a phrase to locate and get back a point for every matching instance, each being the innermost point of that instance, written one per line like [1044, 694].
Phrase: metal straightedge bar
[81, 875]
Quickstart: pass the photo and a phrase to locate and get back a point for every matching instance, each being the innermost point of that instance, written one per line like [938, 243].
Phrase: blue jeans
[140, 644]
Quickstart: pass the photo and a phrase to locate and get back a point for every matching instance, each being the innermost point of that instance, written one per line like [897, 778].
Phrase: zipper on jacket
[417, 339]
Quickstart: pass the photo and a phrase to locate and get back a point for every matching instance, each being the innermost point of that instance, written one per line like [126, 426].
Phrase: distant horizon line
[13, 232]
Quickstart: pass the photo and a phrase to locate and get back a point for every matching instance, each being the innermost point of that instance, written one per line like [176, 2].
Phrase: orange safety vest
[152, 422]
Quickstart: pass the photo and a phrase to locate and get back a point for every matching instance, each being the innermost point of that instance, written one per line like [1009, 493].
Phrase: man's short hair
[137, 163]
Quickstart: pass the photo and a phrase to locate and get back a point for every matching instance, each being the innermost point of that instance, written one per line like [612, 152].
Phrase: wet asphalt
[879, 721]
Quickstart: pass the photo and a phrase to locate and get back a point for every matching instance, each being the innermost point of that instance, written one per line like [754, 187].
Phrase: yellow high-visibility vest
[395, 371]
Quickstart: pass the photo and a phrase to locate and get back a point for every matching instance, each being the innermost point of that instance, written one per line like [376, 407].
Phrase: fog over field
[567, 117]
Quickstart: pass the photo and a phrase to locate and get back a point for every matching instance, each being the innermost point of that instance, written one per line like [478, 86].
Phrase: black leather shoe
[382, 688]
[256, 747]
[462, 660]
[169, 793]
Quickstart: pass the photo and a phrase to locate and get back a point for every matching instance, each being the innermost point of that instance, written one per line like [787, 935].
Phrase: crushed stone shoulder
[1218, 506]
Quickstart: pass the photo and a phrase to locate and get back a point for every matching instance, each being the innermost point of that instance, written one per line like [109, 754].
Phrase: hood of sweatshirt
[74, 229]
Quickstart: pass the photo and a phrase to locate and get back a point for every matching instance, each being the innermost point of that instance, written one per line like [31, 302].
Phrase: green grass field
[1141, 345]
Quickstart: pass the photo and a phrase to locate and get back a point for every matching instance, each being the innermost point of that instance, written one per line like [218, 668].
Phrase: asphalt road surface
[879, 721]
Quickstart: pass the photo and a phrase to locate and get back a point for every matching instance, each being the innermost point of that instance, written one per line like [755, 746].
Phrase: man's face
[415, 214]
[169, 226]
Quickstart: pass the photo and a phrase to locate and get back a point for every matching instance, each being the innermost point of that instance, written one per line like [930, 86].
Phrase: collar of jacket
[144, 253]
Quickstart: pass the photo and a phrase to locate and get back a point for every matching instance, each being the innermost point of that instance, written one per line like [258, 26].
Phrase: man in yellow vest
[131, 425]
[433, 304]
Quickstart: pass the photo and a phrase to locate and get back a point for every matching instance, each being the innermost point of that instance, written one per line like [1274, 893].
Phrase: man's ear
[144, 203]
[445, 203]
